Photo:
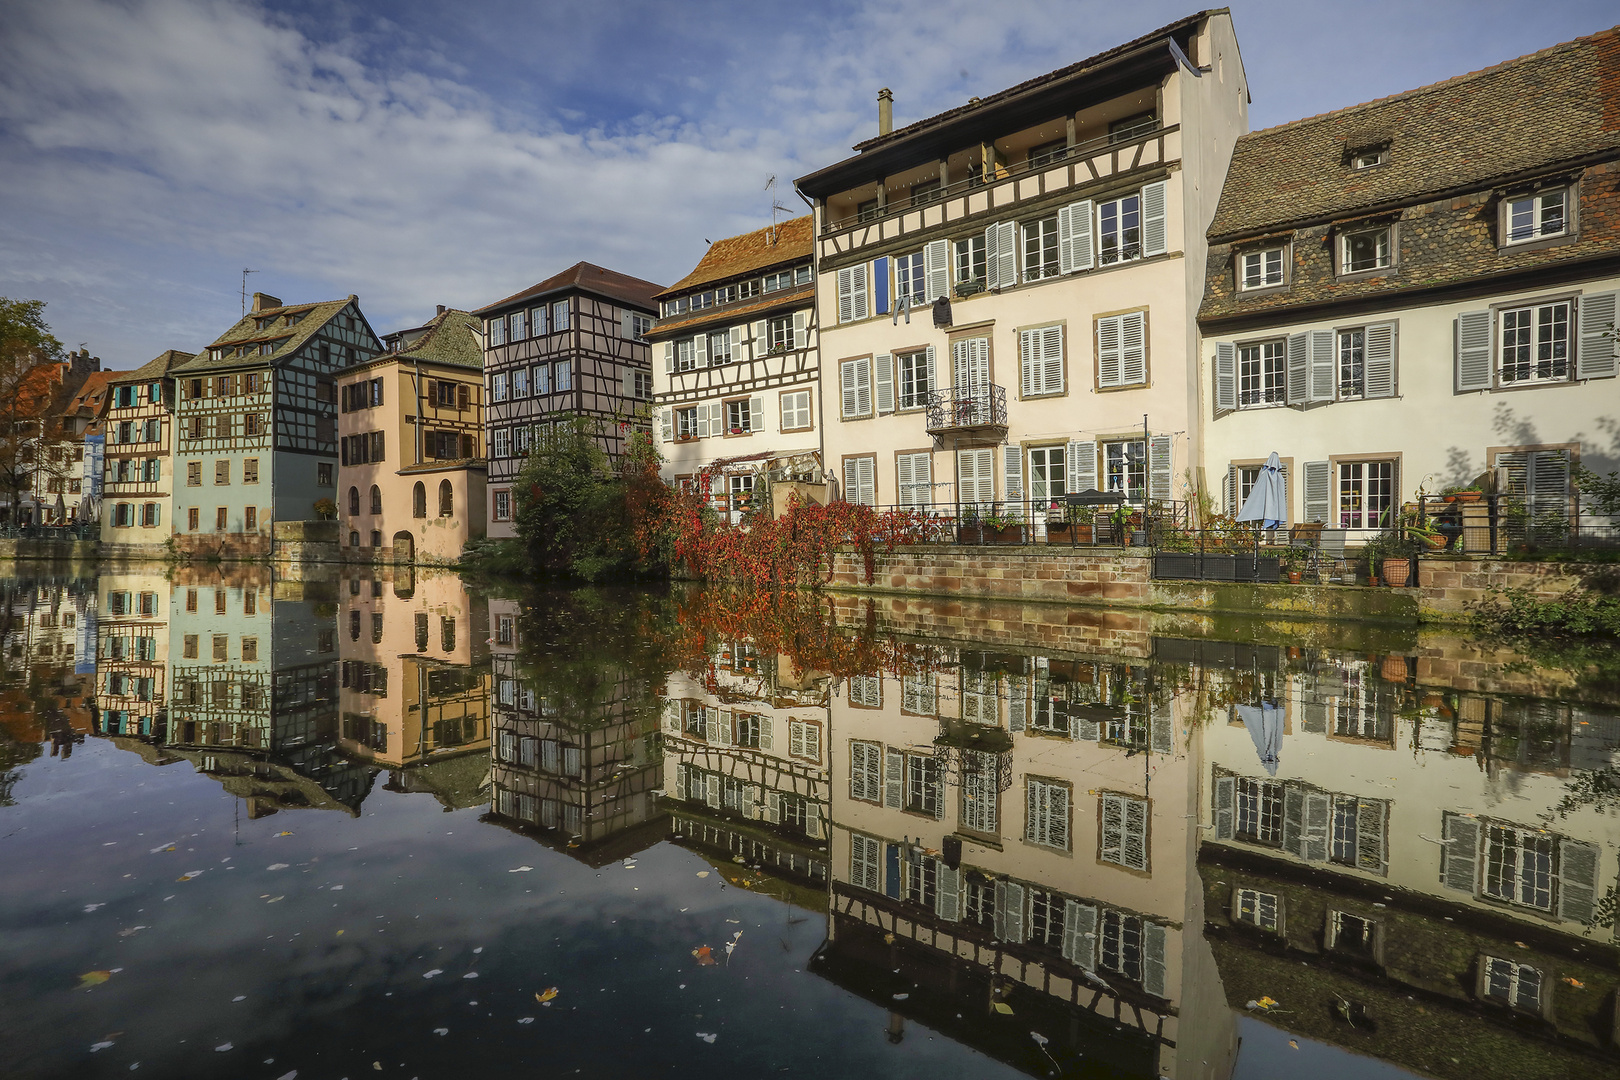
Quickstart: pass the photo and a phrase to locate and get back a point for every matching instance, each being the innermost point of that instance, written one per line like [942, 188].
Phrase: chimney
[264, 301]
[441, 310]
[885, 111]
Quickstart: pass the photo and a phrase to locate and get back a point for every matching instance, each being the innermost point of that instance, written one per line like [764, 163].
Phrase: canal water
[398, 824]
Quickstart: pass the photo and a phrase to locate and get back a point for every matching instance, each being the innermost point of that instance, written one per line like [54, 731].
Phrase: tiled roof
[729, 316]
[1558, 105]
[1037, 82]
[91, 395]
[156, 368]
[452, 337]
[288, 339]
[592, 278]
[754, 251]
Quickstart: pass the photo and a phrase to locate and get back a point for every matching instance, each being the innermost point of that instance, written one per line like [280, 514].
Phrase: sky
[418, 153]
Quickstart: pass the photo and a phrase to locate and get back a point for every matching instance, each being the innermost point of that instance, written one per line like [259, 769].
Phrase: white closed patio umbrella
[1265, 724]
[1268, 500]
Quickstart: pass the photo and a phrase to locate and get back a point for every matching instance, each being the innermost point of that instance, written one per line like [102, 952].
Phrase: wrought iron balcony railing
[967, 408]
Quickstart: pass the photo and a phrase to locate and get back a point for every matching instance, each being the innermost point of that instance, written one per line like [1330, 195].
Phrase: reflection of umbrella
[1268, 501]
[1265, 724]
[61, 510]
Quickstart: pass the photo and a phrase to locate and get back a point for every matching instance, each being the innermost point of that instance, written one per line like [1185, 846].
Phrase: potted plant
[1461, 493]
[1294, 565]
[1003, 527]
[325, 509]
[1076, 528]
[1122, 518]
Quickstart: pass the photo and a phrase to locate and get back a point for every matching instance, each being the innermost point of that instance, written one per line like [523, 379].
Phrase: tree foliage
[29, 388]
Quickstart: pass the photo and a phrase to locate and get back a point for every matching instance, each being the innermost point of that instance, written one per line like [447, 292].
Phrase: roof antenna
[245, 273]
[776, 208]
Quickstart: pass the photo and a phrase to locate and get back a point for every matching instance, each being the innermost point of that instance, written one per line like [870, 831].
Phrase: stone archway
[404, 548]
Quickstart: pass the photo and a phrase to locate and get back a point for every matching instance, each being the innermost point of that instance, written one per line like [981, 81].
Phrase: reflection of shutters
[1153, 959]
[1318, 490]
[948, 895]
[1161, 726]
[1473, 358]
[893, 778]
[1372, 853]
[1459, 855]
[1225, 797]
[1293, 819]
[1596, 352]
[1318, 819]
[1080, 934]
[1017, 702]
[1155, 232]
[748, 801]
[1082, 467]
[812, 822]
[1009, 912]
[1225, 376]
[1159, 457]
[863, 862]
[1379, 367]
[1577, 880]
[773, 807]
[1313, 704]
[1299, 369]
[712, 792]
[766, 742]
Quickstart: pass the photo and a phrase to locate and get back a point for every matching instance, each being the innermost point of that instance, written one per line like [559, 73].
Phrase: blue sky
[417, 152]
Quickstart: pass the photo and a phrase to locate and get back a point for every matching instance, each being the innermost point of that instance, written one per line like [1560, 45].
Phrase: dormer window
[1261, 269]
[1368, 159]
[1535, 217]
[1361, 250]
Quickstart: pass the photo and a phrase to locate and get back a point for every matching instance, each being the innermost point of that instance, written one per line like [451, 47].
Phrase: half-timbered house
[132, 651]
[138, 433]
[572, 346]
[1008, 286]
[256, 422]
[411, 444]
[737, 392]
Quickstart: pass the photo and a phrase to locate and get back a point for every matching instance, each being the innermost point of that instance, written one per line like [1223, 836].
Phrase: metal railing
[83, 530]
[967, 407]
[1033, 524]
[1495, 524]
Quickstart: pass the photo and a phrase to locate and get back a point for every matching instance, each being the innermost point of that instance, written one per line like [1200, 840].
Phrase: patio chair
[1307, 538]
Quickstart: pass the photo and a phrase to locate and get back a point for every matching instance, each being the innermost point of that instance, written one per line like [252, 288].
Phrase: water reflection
[1074, 843]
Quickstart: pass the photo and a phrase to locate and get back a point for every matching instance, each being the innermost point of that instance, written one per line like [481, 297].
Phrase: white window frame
[501, 442]
[1513, 972]
[1541, 315]
[740, 418]
[686, 423]
[1250, 906]
[1267, 392]
[503, 509]
[1535, 205]
[967, 254]
[1039, 251]
[1122, 249]
[720, 348]
[1350, 354]
[1348, 484]
[1263, 269]
[1120, 449]
[497, 386]
[910, 278]
[1384, 259]
[912, 381]
[564, 380]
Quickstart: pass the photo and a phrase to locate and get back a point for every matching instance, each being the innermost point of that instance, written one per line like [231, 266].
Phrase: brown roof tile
[155, 368]
[592, 278]
[750, 252]
[1558, 105]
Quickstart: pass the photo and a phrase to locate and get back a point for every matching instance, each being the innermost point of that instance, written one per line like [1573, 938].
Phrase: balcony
[968, 410]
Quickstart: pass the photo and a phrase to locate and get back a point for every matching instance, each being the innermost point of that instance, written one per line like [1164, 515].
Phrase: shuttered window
[975, 477]
[852, 294]
[1046, 819]
[1122, 350]
[865, 771]
[860, 481]
[914, 480]
[1040, 360]
[855, 382]
[865, 855]
[1124, 832]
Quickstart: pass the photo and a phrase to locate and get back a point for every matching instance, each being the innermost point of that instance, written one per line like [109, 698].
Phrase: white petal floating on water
[525, 1019]
[470, 975]
[441, 1031]
[88, 908]
[478, 950]
[521, 870]
[96, 1047]
[706, 1037]
[222, 1047]
[239, 997]
[430, 974]
[277, 866]
[337, 888]
[289, 1076]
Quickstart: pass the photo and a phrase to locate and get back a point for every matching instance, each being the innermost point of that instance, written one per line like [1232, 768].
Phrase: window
[565, 376]
[855, 379]
[981, 792]
[1041, 249]
[188, 648]
[639, 326]
[1046, 816]
[860, 480]
[909, 281]
[560, 316]
[865, 771]
[1259, 810]
[537, 321]
[500, 443]
[642, 386]
[1040, 361]
[686, 423]
[354, 501]
[923, 789]
[250, 518]
[1367, 160]
[1352, 934]
[250, 471]
[720, 348]
[220, 520]
[969, 260]
[1535, 343]
[221, 648]
[740, 419]
[922, 881]
[1122, 350]
[1125, 468]
[503, 505]
[497, 333]
[222, 471]
[1119, 225]
[1518, 866]
[852, 293]
[915, 372]
[1352, 363]
[447, 633]
[1512, 984]
[1262, 374]
[1259, 909]
[376, 499]
[804, 740]
[1364, 249]
[865, 862]
[1533, 217]
[914, 480]
[323, 474]
[191, 519]
[447, 499]
[540, 377]
[497, 384]
[1366, 493]
[1124, 832]
[1121, 940]
[1046, 472]
[779, 331]
[1131, 127]
[1262, 269]
[796, 410]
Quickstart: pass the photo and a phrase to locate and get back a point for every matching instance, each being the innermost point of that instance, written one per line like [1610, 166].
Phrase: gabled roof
[1518, 118]
[753, 251]
[37, 387]
[287, 339]
[592, 278]
[92, 395]
[451, 337]
[156, 368]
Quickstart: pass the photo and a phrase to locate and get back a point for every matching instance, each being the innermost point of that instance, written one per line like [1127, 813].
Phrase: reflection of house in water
[1010, 855]
[415, 677]
[132, 655]
[47, 660]
[746, 753]
[576, 760]
[1415, 875]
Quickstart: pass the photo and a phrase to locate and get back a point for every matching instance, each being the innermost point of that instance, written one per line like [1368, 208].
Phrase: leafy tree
[29, 388]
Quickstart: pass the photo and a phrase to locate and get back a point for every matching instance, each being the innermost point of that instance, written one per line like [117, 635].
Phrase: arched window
[447, 499]
[354, 538]
[354, 500]
[376, 499]
[419, 501]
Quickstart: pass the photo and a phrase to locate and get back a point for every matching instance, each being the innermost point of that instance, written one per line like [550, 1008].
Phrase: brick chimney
[264, 301]
[885, 111]
[440, 311]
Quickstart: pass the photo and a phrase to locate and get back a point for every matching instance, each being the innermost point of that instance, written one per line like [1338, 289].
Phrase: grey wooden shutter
[1051, 360]
[1153, 959]
[762, 340]
[948, 894]
[801, 330]
[1225, 802]
[1473, 367]
[1081, 256]
[992, 265]
[1324, 376]
[1133, 348]
[858, 291]
[1299, 369]
[850, 388]
[1160, 452]
[893, 778]
[1231, 503]
[936, 269]
[1318, 490]
[1027, 361]
[863, 387]
[1065, 239]
[756, 414]
[1459, 855]
[1108, 351]
[1318, 822]
[1012, 459]
[700, 350]
[1599, 346]
[1379, 369]
[1081, 461]
[1225, 377]
[1155, 230]
[669, 358]
[885, 384]
[1577, 880]
[846, 296]
[933, 383]
[626, 326]
[1293, 820]
[1080, 934]
[666, 424]
[1372, 845]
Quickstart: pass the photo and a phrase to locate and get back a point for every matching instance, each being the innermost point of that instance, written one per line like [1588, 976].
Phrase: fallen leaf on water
[222, 1047]
[284, 832]
[1293, 1043]
[289, 1076]
[546, 995]
[705, 956]
[132, 930]
[239, 997]
[702, 873]
[277, 866]
[189, 874]
[377, 1066]
[470, 975]
[1004, 1008]
[88, 908]
[94, 978]
[1576, 983]
[273, 899]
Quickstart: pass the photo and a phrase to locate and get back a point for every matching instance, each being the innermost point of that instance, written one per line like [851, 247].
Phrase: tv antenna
[245, 273]
[776, 207]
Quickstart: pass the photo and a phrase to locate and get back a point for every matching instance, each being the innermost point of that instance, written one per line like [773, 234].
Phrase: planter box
[984, 534]
[1177, 566]
[1395, 572]
[1068, 534]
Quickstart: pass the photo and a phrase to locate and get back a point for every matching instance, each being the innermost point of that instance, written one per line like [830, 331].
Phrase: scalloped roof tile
[734, 256]
[592, 278]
